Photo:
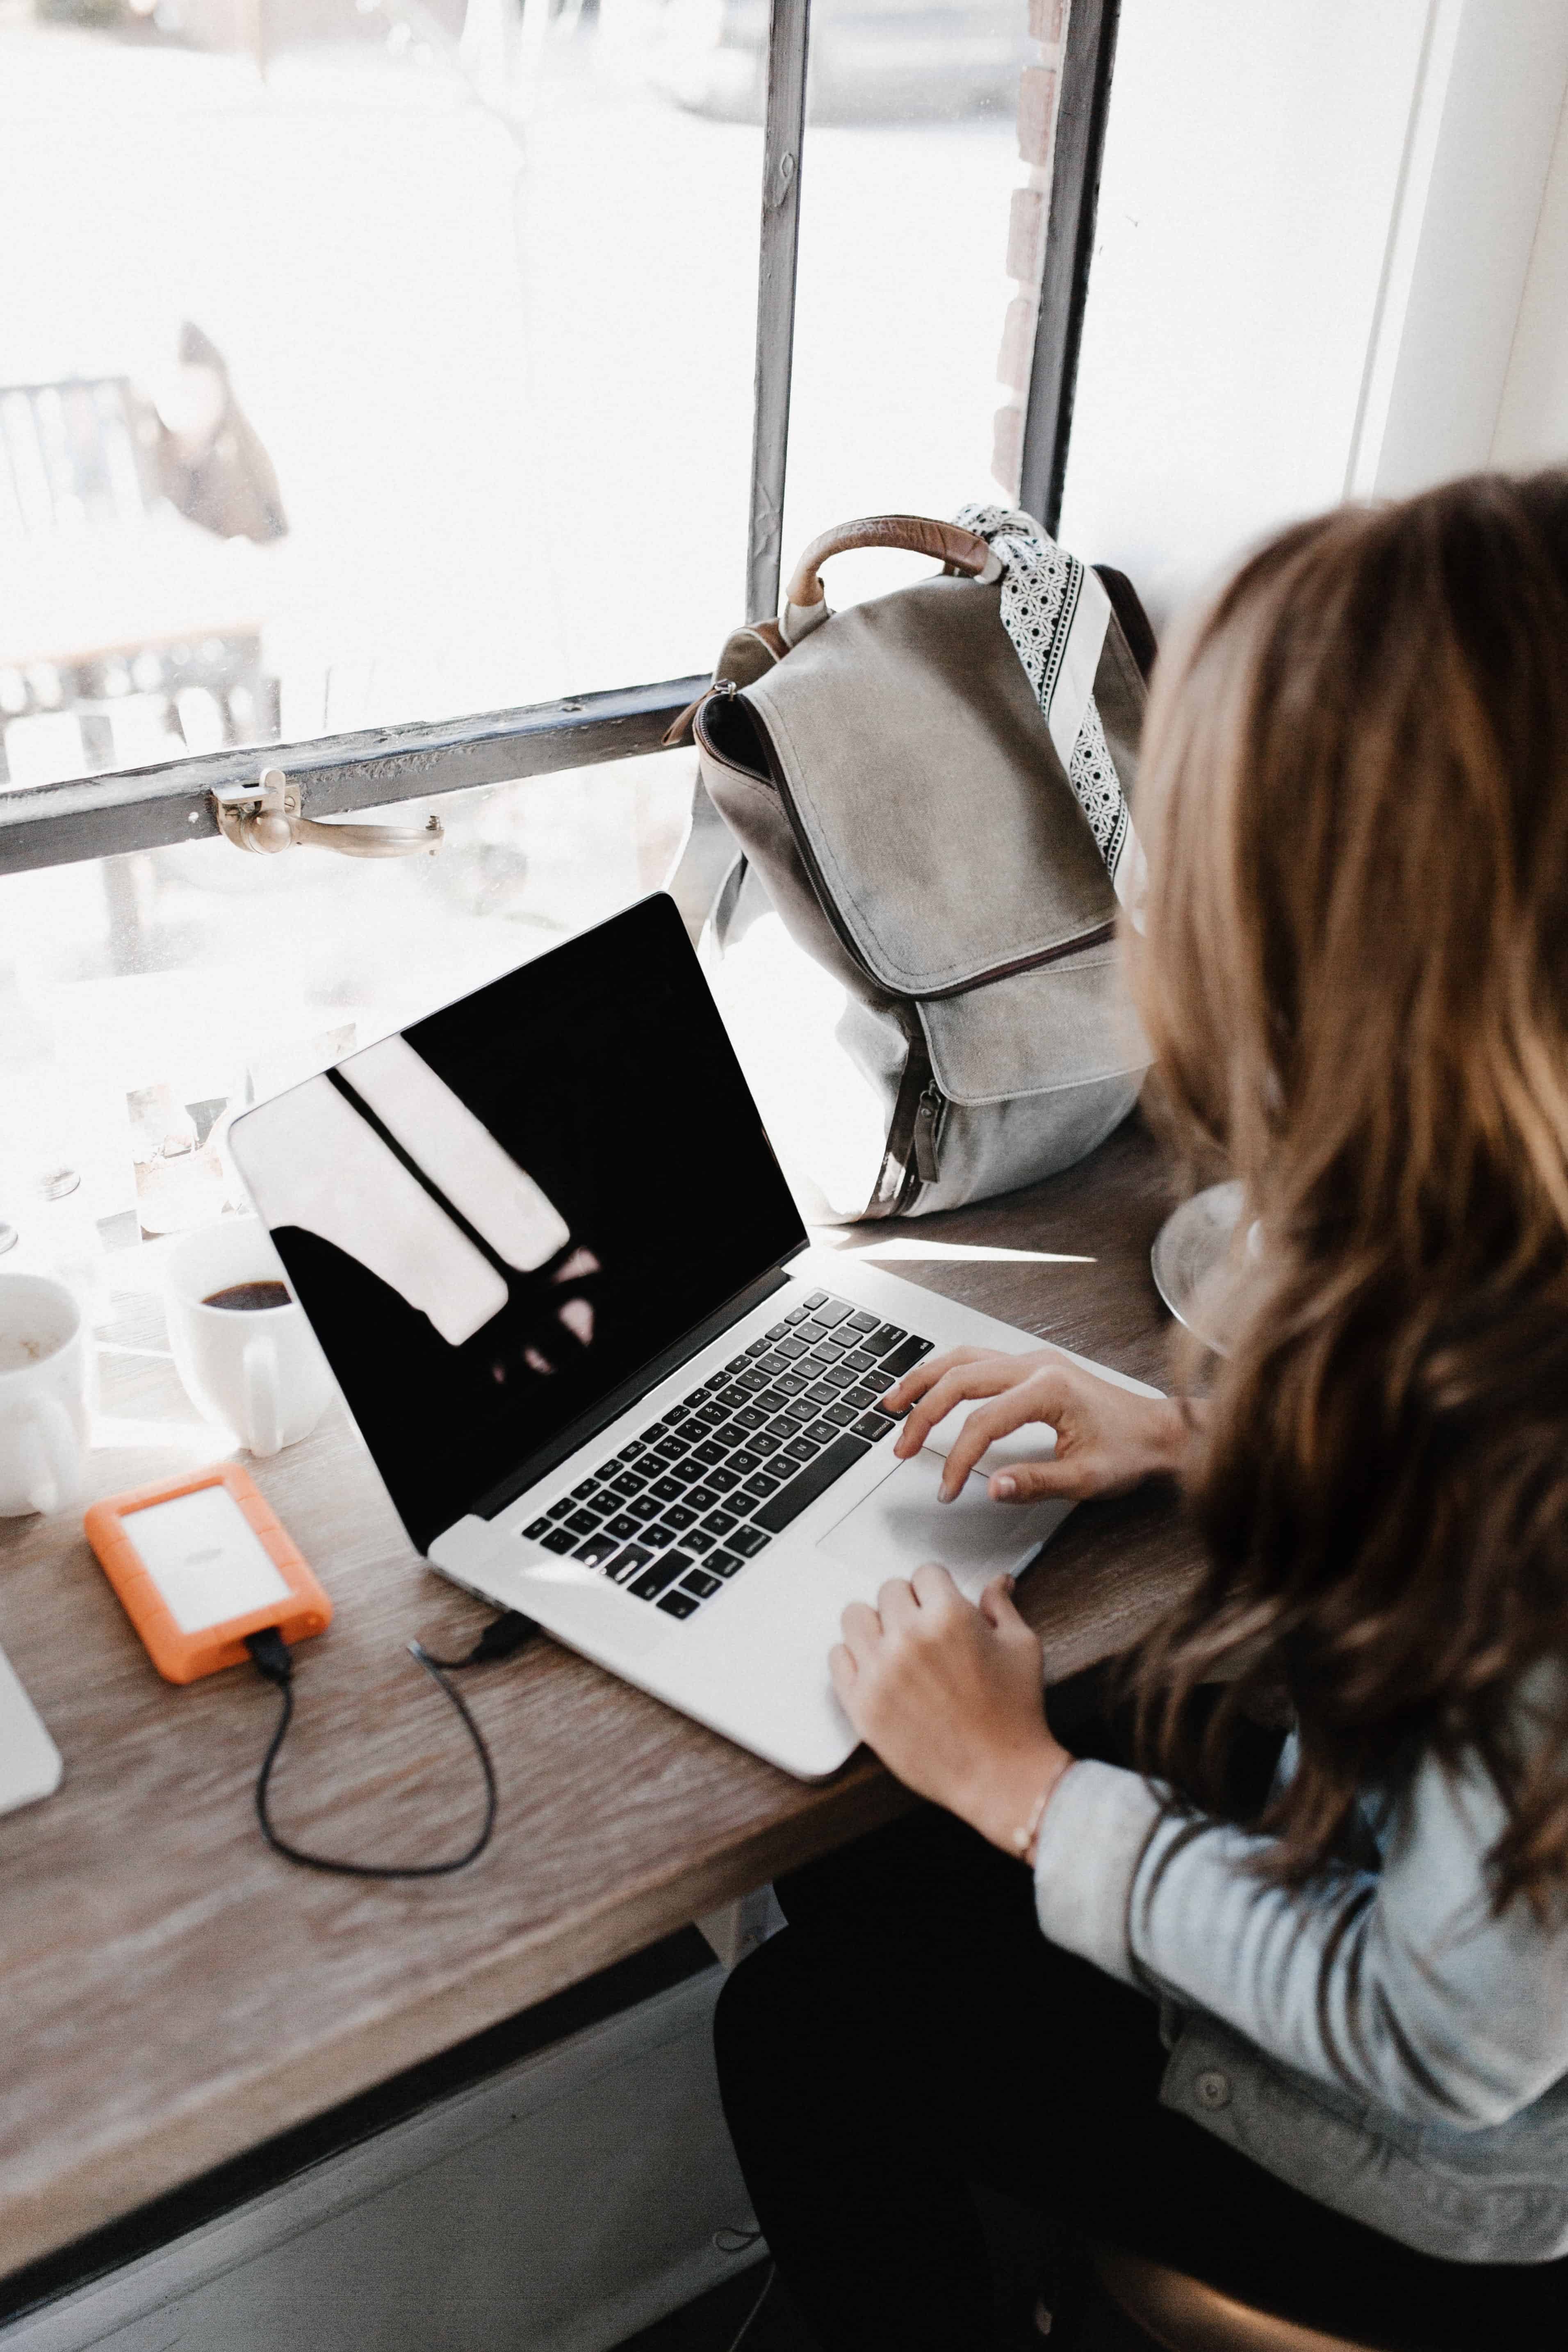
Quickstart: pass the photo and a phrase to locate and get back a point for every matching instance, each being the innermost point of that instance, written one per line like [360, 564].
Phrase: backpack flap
[927, 798]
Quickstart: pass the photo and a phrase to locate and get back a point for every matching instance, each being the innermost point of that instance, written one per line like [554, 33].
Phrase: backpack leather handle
[947, 543]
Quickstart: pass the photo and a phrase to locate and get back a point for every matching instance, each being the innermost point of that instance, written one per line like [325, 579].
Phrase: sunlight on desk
[923, 1253]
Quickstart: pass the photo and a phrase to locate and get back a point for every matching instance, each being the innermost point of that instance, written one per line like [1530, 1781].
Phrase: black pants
[912, 2031]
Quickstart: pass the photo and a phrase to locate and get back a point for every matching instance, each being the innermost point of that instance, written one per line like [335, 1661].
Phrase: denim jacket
[1381, 2041]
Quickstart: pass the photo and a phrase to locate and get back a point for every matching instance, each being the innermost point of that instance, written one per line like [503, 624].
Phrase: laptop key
[660, 1534]
[628, 1563]
[904, 1359]
[872, 1426]
[582, 1523]
[659, 1575]
[884, 1339]
[749, 1541]
[557, 1539]
[751, 1380]
[734, 1396]
[719, 1523]
[830, 1311]
[708, 1454]
[790, 1384]
[797, 1316]
[800, 1449]
[598, 1550]
[759, 1347]
[840, 1415]
[778, 1432]
[702, 1498]
[868, 1392]
[722, 1481]
[623, 1526]
[627, 1484]
[790, 1347]
[667, 1489]
[678, 1514]
[749, 1418]
[723, 1563]
[538, 1531]
[817, 1298]
[696, 1540]
[780, 1510]
[642, 1507]
[798, 1410]
[746, 1460]
[763, 1485]
[823, 1431]
[863, 1322]
[839, 1376]
[822, 1392]
[678, 1605]
[697, 1581]
[777, 1331]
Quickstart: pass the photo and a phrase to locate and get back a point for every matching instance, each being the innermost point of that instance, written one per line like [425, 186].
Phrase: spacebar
[790, 1501]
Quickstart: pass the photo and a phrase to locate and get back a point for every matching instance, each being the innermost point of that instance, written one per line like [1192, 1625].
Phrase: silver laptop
[554, 1264]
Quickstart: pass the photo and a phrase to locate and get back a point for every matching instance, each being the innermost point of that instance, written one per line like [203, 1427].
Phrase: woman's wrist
[1011, 1798]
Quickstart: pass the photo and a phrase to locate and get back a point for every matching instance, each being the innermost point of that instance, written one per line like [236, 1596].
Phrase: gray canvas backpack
[931, 793]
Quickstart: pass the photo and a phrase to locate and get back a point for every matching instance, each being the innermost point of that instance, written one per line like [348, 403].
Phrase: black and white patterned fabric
[1055, 611]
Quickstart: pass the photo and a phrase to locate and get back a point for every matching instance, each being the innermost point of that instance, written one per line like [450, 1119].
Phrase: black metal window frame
[146, 808]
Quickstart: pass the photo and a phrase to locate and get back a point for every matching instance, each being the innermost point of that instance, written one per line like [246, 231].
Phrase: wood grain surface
[175, 1993]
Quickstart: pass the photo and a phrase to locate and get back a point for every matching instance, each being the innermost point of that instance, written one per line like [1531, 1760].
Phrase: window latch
[265, 817]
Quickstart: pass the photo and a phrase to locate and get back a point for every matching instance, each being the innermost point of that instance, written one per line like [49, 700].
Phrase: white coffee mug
[42, 1395]
[259, 1368]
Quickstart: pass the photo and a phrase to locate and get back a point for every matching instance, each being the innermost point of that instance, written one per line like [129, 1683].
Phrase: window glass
[143, 998]
[910, 164]
[362, 361]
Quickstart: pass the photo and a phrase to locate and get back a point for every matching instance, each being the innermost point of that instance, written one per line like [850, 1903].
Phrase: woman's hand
[953, 1700]
[1107, 1438]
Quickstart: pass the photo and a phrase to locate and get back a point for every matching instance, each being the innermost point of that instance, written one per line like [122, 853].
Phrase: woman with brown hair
[1303, 2035]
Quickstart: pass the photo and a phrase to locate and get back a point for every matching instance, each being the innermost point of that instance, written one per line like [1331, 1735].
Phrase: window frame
[153, 807]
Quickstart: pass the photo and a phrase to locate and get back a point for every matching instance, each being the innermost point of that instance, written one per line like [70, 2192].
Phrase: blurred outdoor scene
[369, 360]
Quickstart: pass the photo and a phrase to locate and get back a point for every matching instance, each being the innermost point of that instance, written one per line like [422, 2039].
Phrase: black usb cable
[273, 1660]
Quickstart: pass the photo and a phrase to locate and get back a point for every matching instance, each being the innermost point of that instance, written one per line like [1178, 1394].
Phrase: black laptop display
[500, 1224]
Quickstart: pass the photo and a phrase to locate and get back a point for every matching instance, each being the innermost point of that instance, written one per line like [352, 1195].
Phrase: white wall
[1315, 225]
[1533, 424]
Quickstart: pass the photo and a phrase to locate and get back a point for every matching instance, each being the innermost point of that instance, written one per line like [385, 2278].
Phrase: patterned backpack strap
[1056, 612]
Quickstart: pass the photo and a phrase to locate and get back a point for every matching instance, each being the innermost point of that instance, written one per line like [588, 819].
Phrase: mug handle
[54, 1472]
[263, 1431]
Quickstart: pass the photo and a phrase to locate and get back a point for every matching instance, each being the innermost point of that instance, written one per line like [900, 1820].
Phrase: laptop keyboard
[682, 1509]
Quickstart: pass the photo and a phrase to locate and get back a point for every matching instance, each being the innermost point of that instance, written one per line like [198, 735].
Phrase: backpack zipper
[927, 1136]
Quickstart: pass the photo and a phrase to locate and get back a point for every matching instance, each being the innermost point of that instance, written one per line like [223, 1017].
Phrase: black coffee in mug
[247, 1297]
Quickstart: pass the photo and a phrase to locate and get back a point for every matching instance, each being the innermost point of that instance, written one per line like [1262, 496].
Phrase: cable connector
[269, 1652]
[501, 1637]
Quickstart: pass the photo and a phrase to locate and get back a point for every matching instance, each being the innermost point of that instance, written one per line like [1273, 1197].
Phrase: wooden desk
[175, 1994]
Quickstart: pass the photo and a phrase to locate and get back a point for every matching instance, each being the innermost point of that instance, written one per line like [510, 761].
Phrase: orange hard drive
[200, 1563]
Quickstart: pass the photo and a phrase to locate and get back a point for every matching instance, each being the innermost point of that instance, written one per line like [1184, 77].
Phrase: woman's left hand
[951, 1698]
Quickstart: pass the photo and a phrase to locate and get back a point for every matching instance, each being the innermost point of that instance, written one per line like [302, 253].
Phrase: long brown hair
[1355, 975]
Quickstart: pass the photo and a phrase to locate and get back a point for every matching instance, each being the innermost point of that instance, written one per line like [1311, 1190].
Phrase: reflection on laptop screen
[498, 1219]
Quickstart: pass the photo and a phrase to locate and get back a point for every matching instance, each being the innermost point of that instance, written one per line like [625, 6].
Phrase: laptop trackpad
[899, 1524]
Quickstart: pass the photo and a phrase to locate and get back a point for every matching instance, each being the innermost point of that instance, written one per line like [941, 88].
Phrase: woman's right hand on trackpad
[1107, 1439]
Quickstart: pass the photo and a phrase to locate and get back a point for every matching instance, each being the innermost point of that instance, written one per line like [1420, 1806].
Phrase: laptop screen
[498, 1219]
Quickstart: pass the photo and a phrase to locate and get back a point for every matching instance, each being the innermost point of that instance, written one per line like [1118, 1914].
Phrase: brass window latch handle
[265, 817]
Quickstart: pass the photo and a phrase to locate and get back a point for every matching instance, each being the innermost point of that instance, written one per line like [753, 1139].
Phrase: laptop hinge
[641, 1383]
